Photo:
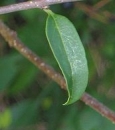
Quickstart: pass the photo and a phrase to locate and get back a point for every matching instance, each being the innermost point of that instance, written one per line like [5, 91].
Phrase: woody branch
[12, 39]
[31, 4]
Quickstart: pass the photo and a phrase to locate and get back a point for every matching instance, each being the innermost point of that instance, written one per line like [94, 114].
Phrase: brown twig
[90, 11]
[100, 4]
[93, 11]
[12, 39]
[31, 4]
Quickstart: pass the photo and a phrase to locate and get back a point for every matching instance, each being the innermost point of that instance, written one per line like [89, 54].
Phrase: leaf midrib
[66, 56]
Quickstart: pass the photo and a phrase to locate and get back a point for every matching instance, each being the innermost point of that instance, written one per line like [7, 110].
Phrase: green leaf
[24, 78]
[8, 70]
[5, 119]
[28, 111]
[98, 123]
[21, 111]
[69, 53]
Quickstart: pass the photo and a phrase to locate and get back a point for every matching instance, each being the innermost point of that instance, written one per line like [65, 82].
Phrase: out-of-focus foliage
[28, 98]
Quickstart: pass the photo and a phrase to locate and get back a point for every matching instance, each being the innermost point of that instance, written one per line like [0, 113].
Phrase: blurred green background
[28, 98]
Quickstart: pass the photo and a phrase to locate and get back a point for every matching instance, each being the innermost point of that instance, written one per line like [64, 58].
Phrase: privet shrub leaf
[69, 53]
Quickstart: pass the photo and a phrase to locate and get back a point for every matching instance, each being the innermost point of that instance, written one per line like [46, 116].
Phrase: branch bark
[31, 4]
[11, 37]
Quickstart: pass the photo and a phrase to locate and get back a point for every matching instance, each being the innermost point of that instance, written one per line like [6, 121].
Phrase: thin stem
[11, 37]
[31, 4]
[100, 4]
[102, 16]
[99, 107]
[90, 11]
[21, 6]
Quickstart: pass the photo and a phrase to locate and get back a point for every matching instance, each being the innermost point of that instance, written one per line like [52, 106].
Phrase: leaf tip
[69, 101]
